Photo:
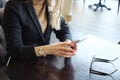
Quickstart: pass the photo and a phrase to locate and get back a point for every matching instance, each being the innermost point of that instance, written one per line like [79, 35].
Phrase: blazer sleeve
[13, 34]
[64, 32]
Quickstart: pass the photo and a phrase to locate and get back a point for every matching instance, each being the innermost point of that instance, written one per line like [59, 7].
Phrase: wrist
[41, 51]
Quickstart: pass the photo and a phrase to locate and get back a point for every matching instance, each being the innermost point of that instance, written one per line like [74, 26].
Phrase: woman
[28, 25]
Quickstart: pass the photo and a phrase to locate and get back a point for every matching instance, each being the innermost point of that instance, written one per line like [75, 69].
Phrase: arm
[13, 34]
[64, 33]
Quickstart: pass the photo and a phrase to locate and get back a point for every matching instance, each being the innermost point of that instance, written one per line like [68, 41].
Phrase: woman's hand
[73, 47]
[65, 49]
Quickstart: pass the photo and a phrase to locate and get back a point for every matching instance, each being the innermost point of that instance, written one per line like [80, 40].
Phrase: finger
[67, 49]
[69, 44]
[62, 53]
[74, 47]
[67, 56]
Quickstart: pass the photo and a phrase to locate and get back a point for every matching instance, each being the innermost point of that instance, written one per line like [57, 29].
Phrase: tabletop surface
[78, 67]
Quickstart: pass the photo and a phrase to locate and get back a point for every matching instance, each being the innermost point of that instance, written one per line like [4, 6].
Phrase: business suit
[23, 30]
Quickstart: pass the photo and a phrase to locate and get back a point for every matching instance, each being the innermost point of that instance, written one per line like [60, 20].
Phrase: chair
[2, 41]
[99, 4]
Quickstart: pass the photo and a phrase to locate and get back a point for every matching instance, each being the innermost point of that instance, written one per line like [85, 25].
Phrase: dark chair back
[2, 41]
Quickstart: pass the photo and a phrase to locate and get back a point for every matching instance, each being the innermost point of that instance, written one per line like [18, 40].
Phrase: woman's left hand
[73, 47]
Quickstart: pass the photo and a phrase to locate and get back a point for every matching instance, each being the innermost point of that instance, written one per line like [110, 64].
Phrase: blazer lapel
[35, 20]
[48, 28]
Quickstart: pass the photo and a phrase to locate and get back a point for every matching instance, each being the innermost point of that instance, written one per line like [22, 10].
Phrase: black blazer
[23, 30]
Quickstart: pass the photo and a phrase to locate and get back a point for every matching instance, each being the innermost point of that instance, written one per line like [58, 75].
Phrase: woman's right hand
[60, 49]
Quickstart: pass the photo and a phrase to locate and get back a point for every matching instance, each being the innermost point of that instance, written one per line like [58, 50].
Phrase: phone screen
[77, 41]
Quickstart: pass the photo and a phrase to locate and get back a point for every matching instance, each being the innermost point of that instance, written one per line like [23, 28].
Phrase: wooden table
[74, 68]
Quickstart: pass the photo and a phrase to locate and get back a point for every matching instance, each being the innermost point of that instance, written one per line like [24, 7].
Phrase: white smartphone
[77, 41]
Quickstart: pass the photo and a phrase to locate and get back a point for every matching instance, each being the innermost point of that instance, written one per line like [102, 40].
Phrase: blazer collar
[36, 21]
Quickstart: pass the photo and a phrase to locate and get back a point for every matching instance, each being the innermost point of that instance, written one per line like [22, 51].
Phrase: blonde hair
[55, 8]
